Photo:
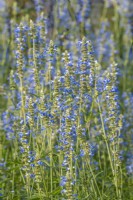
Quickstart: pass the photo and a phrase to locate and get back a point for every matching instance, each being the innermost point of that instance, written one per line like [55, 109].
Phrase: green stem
[23, 109]
[108, 150]
[94, 179]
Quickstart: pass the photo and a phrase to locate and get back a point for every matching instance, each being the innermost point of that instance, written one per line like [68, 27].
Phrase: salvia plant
[64, 129]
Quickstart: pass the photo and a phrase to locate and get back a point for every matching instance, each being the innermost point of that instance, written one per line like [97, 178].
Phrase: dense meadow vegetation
[66, 100]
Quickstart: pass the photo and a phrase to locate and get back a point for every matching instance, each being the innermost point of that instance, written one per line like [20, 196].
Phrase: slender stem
[108, 150]
[105, 137]
[51, 165]
[23, 109]
[94, 179]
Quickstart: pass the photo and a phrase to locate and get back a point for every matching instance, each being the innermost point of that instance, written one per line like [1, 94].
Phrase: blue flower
[82, 153]
[32, 175]
[39, 162]
[63, 181]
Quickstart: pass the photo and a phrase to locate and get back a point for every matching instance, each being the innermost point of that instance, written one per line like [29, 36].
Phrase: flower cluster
[64, 111]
